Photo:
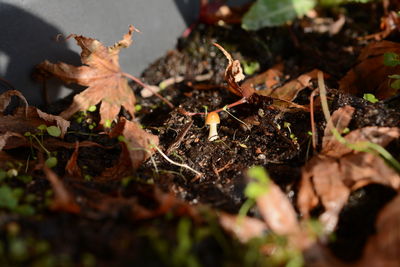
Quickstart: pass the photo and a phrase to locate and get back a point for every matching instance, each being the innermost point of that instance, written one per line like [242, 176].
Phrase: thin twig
[138, 81]
[177, 163]
[313, 130]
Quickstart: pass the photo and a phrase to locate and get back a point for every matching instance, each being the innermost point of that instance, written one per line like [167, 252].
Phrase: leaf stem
[138, 81]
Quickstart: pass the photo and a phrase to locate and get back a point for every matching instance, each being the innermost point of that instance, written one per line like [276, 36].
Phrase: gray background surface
[28, 29]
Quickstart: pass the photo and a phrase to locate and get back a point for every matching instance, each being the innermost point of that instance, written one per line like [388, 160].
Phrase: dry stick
[313, 130]
[239, 102]
[177, 163]
[136, 80]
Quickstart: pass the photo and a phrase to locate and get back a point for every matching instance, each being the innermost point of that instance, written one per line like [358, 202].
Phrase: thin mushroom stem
[213, 134]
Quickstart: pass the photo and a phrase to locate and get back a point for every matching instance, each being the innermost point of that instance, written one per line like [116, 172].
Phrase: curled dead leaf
[140, 143]
[102, 75]
[63, 200]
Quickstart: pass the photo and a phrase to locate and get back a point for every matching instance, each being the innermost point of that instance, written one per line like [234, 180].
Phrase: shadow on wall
[25, 41]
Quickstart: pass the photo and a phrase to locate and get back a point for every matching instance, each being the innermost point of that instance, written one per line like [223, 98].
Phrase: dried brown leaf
[383, 249]
[234, 74]
[5, 98]
[290, 90]
[63, 200]
[370, 75]
[72, 167]
[277, 211]
[332, 175]
[27, 120]
[102, 75]
[323, 175]
[139, 142]
[269, 78]
[244, 228]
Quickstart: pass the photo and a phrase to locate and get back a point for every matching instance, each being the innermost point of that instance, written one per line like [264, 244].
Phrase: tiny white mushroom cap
[212, 119]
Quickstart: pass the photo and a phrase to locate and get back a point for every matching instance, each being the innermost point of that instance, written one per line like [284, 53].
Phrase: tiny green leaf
[138, 108]
[42, 127]
[394, 76]
[371, 98]
[54, 131]
[250, 68]
[7, 198]
[51, 162]
[267, 13]
[260, 182]
[107, 124]
[391, 59]
[395, 84]
[92, 108]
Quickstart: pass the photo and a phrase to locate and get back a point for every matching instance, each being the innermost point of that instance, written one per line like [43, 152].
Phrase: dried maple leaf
[102, 75]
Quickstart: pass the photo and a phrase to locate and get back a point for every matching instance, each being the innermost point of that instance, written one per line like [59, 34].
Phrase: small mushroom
[212, 119]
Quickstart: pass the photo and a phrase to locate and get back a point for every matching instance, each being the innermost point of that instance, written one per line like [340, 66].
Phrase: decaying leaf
[24, 119]
[102, 75]
[5, 98]
[244, 228]
[63, 198]
[269, 78]
[383, 249]
[338, 170]
[234, 74]
[370, 75]
[277, 211]
[290, 90]
[139, 142]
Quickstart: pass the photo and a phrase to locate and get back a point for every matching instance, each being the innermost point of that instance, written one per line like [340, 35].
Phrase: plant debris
[303, 171]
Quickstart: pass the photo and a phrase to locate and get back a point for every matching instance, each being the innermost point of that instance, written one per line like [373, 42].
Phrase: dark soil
[111, 236]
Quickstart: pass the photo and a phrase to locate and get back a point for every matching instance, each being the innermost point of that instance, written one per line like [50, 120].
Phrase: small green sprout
[396, 83]
[138, 107]
[107, 124]
[258, 186]
[391, 59]
[251, 67]
[53, 131]
[371, 98]
[51, 162]
[92, 108]
[291, 135]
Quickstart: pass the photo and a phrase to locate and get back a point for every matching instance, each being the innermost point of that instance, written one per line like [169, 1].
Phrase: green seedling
[255, 188]
[92, 108]
[291, 135]
[138, 107]
[251, 67]
[370, 98]
[52, 131]
[392, 60]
